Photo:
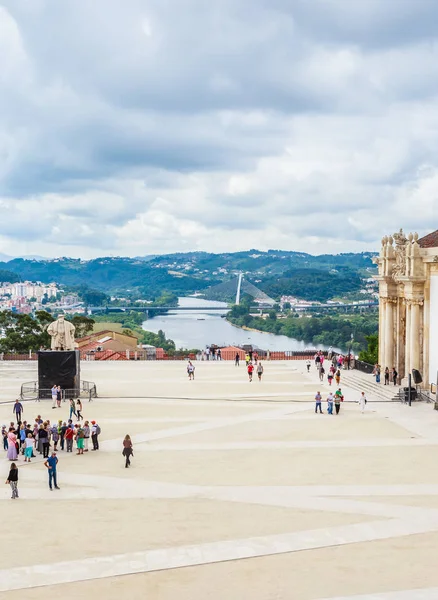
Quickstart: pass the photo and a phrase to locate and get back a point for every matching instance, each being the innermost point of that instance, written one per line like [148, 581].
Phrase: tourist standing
[362, 402]
[22, 435]
[330, 400]
[318, 400]
[12, 445]
[69, 433]
[13, 480]
[207, 353]
[43, 437]
[219, 354]
[250, 369]
[259, 371]
[28, 451]
[308, 365]
[87, 431]
[55, 436]
[338, 399]
[72, 408]
[338, 377]
[52, 464]
[95, 432]
[54, 395]
[18, 410]
[237, 360]
[330, 378]
[394, 375]
[377, 373]
[79, 437]
[386, 376]
[58, 396]
[5, 438]
[127, 450]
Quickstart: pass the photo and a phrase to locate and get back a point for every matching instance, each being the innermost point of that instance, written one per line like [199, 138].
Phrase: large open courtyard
[237, 490]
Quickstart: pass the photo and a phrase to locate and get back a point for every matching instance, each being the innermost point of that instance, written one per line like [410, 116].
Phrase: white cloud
[128, 129]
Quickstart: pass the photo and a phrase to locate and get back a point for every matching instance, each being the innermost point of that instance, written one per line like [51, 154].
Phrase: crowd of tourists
[27, 439]
[389, 376]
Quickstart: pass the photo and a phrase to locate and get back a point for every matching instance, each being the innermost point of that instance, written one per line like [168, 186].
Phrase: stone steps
[365, 383]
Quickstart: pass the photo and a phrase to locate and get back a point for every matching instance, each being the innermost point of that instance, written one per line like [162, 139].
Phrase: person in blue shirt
[51, 463]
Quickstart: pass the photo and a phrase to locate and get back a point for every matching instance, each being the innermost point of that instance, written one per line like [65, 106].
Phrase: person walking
[338, 377]
[95, 432]
[338, 399]
[250, 369]
[28, 451]
[330, 378]
[308, 365]
[259, 371]
[79, 409]
[330, 400]
[219, 354]
[190, 370]
[362, 402]
[52, 468]
[18, 410]
[127, 450]
[54, 395]
[321, 373]
[237, 360]
[386, 376]
[72, 408]
[12, 445]
[394, 375]
[13, 480]
[318, 400]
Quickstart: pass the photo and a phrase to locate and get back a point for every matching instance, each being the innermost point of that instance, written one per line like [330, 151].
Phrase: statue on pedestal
[62, 333]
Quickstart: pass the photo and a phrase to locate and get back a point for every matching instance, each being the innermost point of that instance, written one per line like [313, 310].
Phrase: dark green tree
[371, 354]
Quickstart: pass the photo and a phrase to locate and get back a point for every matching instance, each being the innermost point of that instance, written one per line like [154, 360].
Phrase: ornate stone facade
[408, 309]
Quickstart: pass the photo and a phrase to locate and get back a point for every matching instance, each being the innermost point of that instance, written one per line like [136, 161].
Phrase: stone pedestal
[61, 368]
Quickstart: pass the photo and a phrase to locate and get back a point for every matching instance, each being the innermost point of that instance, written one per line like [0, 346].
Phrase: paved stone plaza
[236, 491]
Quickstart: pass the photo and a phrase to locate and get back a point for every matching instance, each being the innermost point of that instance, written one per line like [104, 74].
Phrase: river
[198, 329]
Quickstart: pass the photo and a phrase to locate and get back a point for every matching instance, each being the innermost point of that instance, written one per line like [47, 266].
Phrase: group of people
[27, 439]
[335, 400]
[334, 370]
[211, 352]
[388, 375]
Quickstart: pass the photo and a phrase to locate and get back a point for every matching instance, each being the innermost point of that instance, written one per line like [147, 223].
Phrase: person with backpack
[338, 399]
[79, 437]
[95, 432]
[259, 371]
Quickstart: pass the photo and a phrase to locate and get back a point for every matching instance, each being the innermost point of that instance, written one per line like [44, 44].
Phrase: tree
[23, 333]
[83, 324]
[371, 354]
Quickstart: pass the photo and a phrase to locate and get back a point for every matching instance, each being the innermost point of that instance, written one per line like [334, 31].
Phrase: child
[28, 451]
[13, 480]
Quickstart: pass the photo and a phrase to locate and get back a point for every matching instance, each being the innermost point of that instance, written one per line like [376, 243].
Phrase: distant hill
[277, 272]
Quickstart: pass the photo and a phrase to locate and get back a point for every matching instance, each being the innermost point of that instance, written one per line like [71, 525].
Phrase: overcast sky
[132, 127]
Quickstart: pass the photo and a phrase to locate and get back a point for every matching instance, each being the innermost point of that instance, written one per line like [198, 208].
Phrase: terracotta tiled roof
[429, 241]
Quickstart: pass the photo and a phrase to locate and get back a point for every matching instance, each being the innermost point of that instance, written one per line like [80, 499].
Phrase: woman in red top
[127, 450]
[250, 369]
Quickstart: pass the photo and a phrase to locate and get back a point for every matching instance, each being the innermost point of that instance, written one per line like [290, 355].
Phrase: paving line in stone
[202, 554]
[417, 594]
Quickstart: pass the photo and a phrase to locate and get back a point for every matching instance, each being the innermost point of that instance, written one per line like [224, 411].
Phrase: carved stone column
[415, 334]
[382, 329]
[408, 339]
[389, 333]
